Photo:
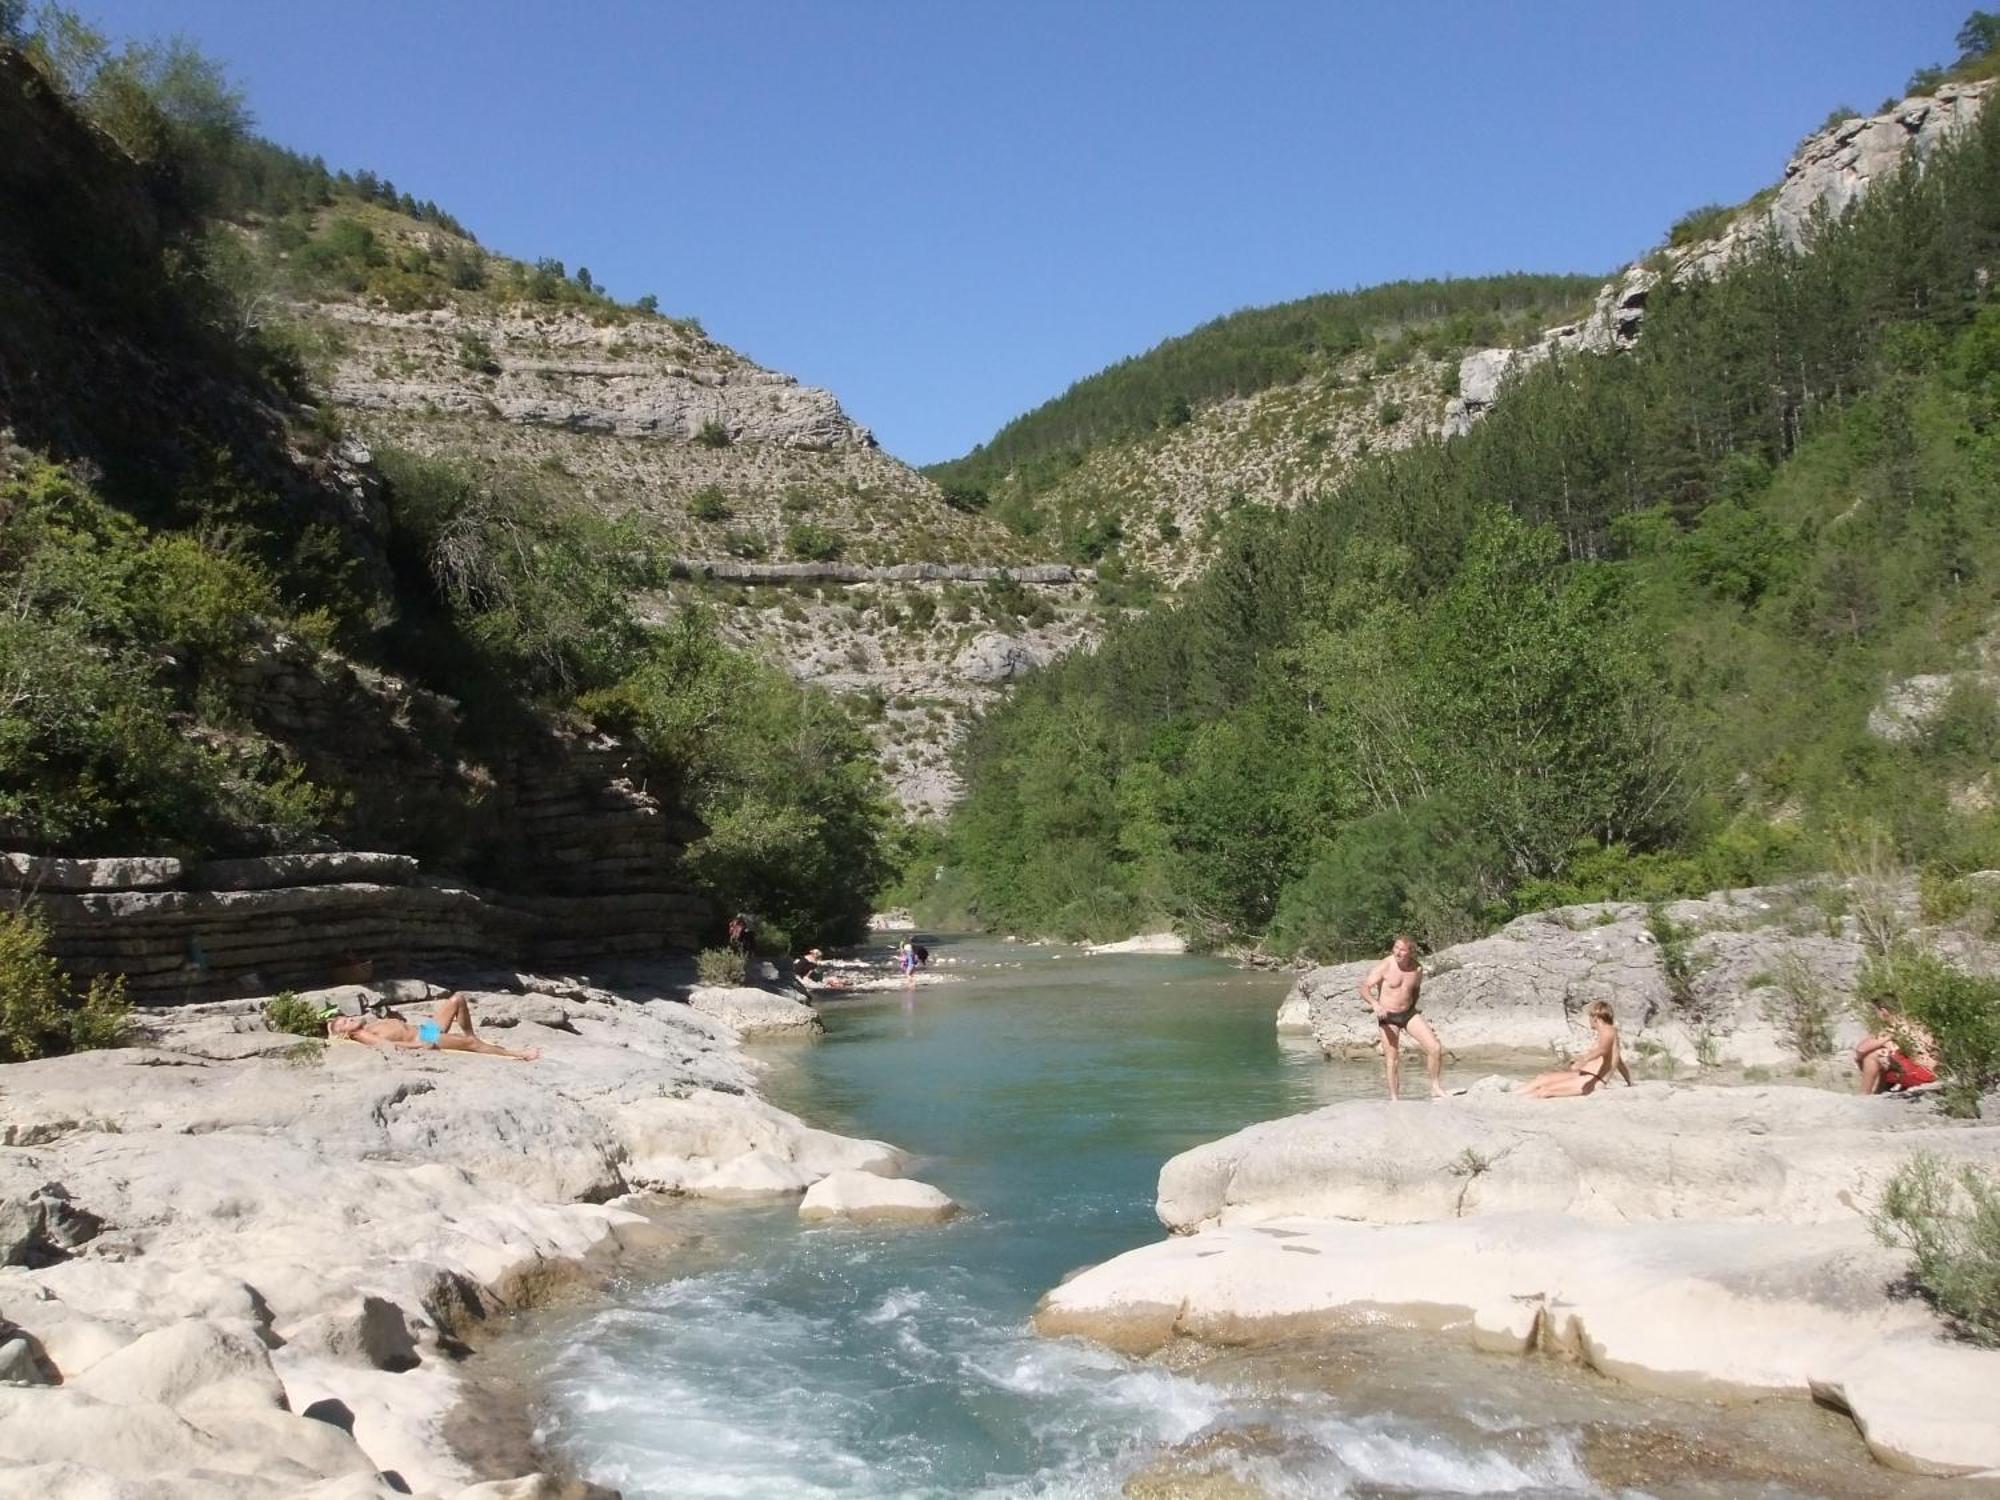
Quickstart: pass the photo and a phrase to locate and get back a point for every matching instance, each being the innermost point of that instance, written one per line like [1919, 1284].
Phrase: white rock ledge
[1687, 1239]
[1145, 942]
[867, 1199]
[1692, 1309]
[203, 1239]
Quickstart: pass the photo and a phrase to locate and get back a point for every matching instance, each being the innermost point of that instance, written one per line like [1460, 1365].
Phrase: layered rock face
[1831, 170]
[235, 1264]
[725, 465]
[642, 378]
[586, 864]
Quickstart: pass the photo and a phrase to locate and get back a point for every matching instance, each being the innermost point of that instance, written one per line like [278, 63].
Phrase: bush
[285, 1011]
[1798, 1007]
[813, 542]
[1388, 414]
[41, 1013]
[719, 966]
[1950, 1221]
[1961, 1011]
[712, 434]
[475, 354]
[747, 545]
[1698, 224]
[710, 504]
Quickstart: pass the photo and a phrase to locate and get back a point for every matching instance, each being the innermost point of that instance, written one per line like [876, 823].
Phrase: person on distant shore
[806, 970]
[434, 1035]
[1390, 990]
[1901, 1056]
[1591, 1067]
[906, 960]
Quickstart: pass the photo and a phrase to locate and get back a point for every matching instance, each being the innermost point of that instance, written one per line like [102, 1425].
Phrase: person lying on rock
[1591, 1067]
[1390, 991]
[1901, 1056]
[435, 1035]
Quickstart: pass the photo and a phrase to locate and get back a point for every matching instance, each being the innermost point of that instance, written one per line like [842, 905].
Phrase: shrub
[41, 1012]
[712, 434]
[1961, 1011]
[1798, 1006]
[719, 966]
[813, 542]
[745, 544]
[1698, 224]
[710, 504]
[1388, 414]
[285, 1011]
[475, 354]
[1950, 1221]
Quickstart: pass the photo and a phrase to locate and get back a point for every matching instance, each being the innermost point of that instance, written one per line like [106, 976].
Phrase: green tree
[1978, 36]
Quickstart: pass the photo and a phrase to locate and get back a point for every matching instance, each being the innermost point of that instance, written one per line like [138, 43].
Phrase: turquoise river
[1043, 1089]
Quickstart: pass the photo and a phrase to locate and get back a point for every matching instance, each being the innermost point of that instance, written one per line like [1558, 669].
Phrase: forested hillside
[1143, 464]
[1624, 639]
[186, 527]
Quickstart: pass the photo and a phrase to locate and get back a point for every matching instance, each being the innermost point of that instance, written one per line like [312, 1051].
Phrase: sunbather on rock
[1591, 1067]
[435, 1035]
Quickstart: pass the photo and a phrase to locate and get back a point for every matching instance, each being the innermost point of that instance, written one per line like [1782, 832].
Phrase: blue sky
[947, 212]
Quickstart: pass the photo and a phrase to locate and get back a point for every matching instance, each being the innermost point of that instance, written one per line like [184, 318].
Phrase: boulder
[181, 1362]
[369, 1330]
[714, 1144]
[865, 1198]
[39, 1224]
[995, 658]
[1295, 1014]
[753, 1012]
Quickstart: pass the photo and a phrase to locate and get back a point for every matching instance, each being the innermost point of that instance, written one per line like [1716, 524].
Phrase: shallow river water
[773, 1359]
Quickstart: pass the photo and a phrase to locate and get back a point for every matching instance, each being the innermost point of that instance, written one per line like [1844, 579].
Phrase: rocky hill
[1159, 497]
[1142, 465]
[767, 502]
[1832, 169]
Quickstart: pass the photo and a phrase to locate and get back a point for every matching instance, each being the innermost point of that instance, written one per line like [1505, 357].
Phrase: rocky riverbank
[1686, 1238]
[238, 1264]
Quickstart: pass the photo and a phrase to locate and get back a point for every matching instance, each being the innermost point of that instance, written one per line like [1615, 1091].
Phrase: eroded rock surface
[1751, 972]
[248, 1258]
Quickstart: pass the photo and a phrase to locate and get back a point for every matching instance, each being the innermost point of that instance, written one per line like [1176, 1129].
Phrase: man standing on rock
[1390, 990]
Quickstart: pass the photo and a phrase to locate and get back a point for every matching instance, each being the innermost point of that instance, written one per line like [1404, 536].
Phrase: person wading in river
[1390, 991]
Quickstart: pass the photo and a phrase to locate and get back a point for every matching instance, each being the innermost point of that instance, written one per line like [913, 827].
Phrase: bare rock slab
[1687, 1309]
[1786, 1155]
[867, 1199]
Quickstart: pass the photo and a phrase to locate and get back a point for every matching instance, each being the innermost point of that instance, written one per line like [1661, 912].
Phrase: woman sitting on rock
[1591, 1067]
[1901, 1056]
[433, 1035]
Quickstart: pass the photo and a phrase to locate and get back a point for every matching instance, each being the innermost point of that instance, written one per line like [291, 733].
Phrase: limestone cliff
[1831, 170]
[741, 475]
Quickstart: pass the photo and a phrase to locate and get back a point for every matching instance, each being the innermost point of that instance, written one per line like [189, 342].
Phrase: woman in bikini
[1902, 1056]
[1603, 1057]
